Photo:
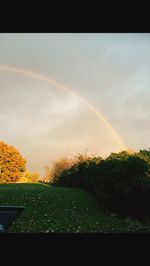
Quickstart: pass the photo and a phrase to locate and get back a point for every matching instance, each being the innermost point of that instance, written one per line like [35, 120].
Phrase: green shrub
[80, 175]
[118, 179]
[145, 154]
[61, 164]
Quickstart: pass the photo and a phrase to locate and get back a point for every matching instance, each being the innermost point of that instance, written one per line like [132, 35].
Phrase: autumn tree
[29, 177]
[35, 177]
[12, 164]
[63, 163]
[58, 166]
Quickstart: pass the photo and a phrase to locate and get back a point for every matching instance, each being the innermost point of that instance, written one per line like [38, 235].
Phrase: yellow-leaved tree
[12, 164]
[29, 177]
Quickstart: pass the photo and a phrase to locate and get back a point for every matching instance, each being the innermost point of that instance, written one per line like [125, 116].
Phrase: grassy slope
[51, 209]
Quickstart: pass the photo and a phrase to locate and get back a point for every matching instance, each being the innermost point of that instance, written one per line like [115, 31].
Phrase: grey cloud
[111, 71]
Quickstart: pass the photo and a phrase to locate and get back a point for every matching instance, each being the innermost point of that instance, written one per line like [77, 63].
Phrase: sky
[109, 71]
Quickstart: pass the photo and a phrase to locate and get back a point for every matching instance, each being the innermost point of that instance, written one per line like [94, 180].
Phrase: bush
[60, 165]
[117, 182]
[118, 179]
[79, 175]
[145, 154]
[52, 173]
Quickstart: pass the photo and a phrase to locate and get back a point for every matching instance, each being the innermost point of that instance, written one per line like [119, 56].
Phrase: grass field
[50, 209]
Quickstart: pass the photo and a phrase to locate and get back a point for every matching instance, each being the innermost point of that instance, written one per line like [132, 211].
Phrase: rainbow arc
[56, 84]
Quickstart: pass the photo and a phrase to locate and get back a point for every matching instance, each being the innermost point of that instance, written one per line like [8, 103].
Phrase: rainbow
[68, 90]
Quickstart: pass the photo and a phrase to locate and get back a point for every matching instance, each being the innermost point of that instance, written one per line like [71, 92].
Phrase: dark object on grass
[7, 216]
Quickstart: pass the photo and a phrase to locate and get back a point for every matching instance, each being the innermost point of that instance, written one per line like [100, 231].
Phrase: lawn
[50, 209]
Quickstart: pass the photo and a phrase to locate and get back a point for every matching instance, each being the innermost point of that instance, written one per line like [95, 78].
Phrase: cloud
[111, 71]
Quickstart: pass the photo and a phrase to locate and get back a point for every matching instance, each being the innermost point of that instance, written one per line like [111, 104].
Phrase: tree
[64, 163]
[123, 155]
[12, 164]
[29, 177]
[119, 177]
[35, 177]
[145, 154]
[82, 174]
[58, 167]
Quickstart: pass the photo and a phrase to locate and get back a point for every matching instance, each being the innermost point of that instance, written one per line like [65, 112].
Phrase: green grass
[51, 209]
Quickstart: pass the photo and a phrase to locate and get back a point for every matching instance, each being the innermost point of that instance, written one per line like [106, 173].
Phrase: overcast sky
[110, 71]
